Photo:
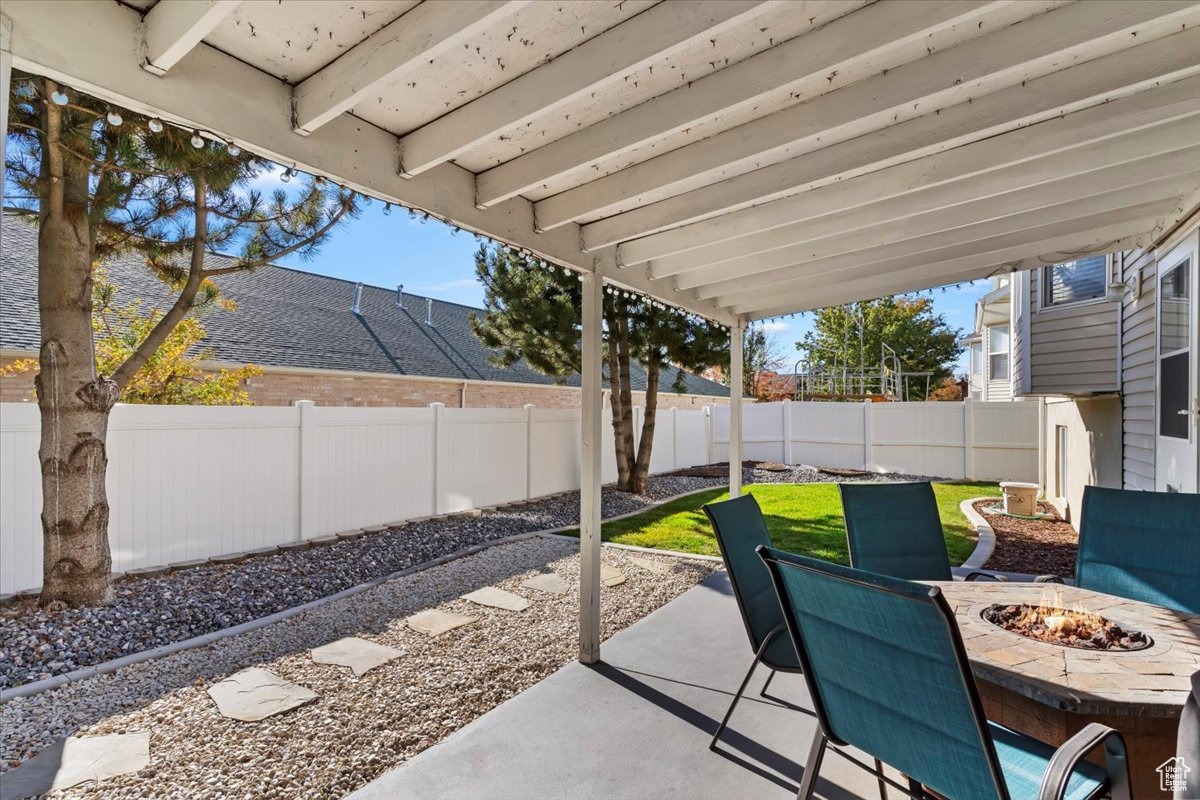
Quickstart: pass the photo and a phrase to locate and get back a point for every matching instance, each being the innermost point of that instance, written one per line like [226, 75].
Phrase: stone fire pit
[1050, 691]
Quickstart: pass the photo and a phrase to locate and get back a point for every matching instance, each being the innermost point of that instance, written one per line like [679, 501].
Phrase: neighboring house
[1110, 343]
[319, 338]
[989, 371]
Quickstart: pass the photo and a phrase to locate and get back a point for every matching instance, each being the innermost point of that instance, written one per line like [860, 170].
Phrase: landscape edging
[986, 537]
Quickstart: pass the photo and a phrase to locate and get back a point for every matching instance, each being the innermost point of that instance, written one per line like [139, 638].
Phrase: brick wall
[278, 388]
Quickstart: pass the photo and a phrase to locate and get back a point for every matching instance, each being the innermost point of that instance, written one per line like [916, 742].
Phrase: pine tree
[104, 181]
[534, 312]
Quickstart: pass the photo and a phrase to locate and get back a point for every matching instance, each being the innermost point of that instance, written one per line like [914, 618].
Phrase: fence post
[787, 431]
[638, 415]
[437, 409]
[868, 456]
[968, 440]
[529, 450]
[708, 435]
[307, 466]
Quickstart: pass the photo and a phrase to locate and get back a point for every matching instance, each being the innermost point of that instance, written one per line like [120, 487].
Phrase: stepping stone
[497, 598]
[611, 576]
[548, 582]
[657, 567]
[435, 622]
[255, 694]
[94, 758]
[359, 655]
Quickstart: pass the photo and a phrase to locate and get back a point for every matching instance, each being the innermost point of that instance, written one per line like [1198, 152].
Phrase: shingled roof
[289, 318]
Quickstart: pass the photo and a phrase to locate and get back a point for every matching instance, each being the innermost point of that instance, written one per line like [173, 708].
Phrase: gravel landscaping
[357, 727]
[1033, 546]
[151, 612]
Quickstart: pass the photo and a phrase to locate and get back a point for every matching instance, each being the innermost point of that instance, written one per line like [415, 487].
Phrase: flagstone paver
[255, 694]
[360, 655]
[611, 576]
[548, 582]
[95, 758]
[650, 565]
[497, 598]
[435, 622]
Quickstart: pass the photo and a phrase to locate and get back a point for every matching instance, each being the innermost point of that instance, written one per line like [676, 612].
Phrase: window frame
[989, 354]
[1042, 295]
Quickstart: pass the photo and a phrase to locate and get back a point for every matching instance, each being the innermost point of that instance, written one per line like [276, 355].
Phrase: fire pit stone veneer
[1050, 691]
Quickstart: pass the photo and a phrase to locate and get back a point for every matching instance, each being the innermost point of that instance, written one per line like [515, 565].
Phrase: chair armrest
[974, 576]
[1054, 782]
[1048, 579]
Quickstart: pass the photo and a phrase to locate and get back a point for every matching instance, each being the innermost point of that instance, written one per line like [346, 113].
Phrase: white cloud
[776, 326]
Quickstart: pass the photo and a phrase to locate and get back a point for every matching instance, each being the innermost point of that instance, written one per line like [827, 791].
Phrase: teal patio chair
[894, 529]
[1141, 545]
[740, 530]
[888, 674]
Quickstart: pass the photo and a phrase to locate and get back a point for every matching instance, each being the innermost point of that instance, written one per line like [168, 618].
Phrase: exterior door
[1176, 461]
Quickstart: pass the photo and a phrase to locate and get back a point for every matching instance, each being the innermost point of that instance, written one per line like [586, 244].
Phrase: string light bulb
[197, 140]
[286, 176]
[59, 97]
[233, 149]
[155, 125]
[114, 119]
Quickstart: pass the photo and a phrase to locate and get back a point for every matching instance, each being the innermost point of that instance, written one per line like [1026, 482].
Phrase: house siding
[1138, 373]
[1072, 349]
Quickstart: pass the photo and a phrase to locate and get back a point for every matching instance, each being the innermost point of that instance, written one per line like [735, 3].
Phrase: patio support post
[590, 467]
[736, 334]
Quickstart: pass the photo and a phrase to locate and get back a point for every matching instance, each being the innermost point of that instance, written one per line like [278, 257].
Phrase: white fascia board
[1002, 59]
[231, 100]
[173, 28]
[1073, 89]
[657, 32]
[905, 174]
[425, 32]
[860, 34]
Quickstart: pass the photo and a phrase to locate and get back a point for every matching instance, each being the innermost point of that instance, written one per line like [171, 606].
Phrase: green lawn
[805, 519]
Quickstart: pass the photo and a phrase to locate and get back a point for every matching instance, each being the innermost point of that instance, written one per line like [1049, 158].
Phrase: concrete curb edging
[986, 544]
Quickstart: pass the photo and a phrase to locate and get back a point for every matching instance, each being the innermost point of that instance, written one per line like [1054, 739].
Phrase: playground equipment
[835, 379]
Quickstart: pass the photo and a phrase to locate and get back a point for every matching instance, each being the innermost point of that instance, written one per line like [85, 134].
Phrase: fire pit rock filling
[1070, 628]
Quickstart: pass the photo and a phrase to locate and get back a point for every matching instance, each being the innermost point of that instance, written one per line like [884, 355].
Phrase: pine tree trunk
[626, 400]
[618, 419]
[641, 468]
[74, 402]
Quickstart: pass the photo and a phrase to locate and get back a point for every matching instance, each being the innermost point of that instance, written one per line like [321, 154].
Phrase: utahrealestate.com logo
[1172, 775]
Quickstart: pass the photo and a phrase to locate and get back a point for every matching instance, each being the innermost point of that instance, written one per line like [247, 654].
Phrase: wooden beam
[425, 32]
[766, 78]
[876, 152]
[1006, 58]
[736, 338]
[945, 244]
[1110, 231]
[172, 28]
[648, 37]
[5, 81]
[1092, 83]
[60, 44]
[591, 464]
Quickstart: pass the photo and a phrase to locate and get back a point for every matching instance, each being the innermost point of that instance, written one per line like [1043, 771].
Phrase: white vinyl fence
[192, 482]
[975, 440]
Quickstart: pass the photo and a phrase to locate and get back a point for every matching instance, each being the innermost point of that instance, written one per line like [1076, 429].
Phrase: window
[1174, 324]
[976, 358]
[1075, 281]
[998, 353]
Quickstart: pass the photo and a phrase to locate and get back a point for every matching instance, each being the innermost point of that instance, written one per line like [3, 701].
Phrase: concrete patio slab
[255, 694]
[435, 622]
[492, 597]
[651, 708]
[549, 582]
[359, 655]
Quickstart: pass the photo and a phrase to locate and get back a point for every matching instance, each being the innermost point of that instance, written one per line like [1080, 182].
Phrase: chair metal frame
[1054, 782]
